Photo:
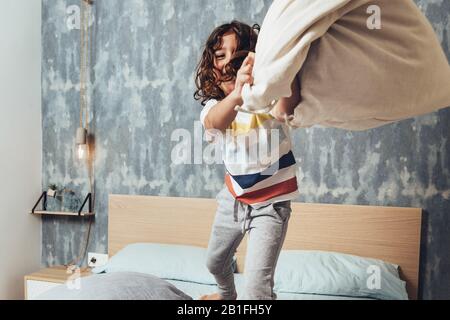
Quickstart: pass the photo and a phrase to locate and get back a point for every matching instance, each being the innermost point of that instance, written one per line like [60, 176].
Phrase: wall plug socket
[97, 259]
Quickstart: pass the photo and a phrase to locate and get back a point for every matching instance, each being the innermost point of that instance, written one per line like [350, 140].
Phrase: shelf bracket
[44, 204]
[88, 197]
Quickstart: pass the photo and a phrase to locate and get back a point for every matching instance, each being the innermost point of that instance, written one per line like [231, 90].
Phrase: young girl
[256, 198]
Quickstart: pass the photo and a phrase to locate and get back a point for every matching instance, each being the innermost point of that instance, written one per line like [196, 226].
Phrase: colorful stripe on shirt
[274, 182]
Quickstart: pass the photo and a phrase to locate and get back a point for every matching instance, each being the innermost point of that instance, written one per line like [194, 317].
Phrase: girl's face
[222, 57]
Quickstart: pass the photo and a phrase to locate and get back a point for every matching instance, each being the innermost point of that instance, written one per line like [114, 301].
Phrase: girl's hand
[244, 75]
[282, 112]
[284, 109]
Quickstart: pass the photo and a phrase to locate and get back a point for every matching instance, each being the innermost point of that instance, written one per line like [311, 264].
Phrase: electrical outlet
[97, 259]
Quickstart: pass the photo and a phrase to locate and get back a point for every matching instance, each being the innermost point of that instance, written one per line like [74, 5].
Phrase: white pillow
[166, 261]
[333, 273]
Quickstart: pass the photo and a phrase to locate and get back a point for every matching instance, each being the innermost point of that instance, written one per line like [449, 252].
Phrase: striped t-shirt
[256, 151]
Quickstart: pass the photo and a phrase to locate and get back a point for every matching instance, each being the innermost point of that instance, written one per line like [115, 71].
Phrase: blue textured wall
[145, 54]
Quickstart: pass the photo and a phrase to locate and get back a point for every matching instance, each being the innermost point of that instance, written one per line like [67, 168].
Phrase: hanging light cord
[82, 61]
[85, 52]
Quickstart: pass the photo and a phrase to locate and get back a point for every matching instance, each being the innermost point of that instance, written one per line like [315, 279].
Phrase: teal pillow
[332, 273]
[166, 261]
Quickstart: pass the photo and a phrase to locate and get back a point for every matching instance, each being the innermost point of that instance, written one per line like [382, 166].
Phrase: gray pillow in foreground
[117, 286]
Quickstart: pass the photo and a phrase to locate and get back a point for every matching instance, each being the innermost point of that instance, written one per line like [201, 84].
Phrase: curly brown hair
[205, 79]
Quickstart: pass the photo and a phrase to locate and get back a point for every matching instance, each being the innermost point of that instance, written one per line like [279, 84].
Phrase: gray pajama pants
[266, 232]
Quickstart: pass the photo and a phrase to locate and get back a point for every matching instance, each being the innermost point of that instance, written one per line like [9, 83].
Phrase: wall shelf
[80, 212]
[62, 213]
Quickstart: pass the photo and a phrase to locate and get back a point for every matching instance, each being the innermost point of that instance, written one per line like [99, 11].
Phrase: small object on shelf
[51, 193]
[70, 201]
[54, 198]
[79, 213]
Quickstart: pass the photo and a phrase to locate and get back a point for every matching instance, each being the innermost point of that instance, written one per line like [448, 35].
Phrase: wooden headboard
[388, 233]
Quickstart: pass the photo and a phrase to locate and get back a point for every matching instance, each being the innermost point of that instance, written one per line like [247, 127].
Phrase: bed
[387, 233]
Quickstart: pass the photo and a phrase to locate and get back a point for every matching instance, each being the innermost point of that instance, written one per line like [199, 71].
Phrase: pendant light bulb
[81, 142]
